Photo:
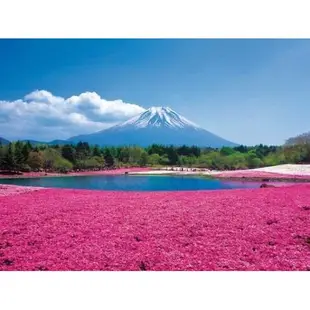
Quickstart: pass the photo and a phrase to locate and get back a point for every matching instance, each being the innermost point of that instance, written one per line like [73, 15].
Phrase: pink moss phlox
[61, 229]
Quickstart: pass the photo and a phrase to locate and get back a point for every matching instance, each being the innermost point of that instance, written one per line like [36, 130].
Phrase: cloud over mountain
[42, 116]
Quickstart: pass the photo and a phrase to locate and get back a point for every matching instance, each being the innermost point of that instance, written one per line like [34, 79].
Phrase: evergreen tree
[96, 151]
[172, 155]
[124, 155]
[2, 153]
[26, 149]
[82, 150]
[68, 152]
[19, 156]
[9, 159]
[29, 146]
[108, 158]
[143, 159]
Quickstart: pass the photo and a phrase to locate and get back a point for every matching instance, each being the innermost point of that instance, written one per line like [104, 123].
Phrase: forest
[23, 156]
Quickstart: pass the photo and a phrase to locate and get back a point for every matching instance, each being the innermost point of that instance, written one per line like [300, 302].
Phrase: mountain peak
[159, 125]
[159, 117]
[159, 110]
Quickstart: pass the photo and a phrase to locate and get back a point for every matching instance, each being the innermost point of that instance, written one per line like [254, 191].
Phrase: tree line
[25, 157]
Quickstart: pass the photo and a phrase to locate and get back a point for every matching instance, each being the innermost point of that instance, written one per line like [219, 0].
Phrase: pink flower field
[8, 190]
[260, 174]
[61, 229]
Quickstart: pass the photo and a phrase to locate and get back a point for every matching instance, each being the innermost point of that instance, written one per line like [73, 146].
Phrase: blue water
[133, 183]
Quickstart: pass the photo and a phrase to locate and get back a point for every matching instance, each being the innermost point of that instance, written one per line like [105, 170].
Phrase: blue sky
[247, 91]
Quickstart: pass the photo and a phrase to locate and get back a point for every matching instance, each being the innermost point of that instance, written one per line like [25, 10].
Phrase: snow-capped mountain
[158, 117]
[160, 125]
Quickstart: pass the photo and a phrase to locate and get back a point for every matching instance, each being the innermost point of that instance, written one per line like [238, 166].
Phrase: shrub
[25, 168]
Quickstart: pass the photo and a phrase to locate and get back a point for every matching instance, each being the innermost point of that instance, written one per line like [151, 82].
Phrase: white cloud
[42, 116]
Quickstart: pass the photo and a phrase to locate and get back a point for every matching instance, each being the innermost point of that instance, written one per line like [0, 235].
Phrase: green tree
[253, 161]
[69, 153]
[156, 149]
[35, 160]
[204, 161]
[123, 154]
[2, 156]
[226, 151]
[82, 150]
[108, 158]
[164, 160]
[62, 165]
[26, 149]
[96, 151]
[9, 161]
[135, 155]
[172, 155]
[143, 159]
[236, 160]
[51, 157]
[99, 160]
[19, 156]
[154, 159]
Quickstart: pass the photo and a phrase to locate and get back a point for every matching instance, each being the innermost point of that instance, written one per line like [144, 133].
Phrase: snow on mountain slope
[160, 125]
[157, 117]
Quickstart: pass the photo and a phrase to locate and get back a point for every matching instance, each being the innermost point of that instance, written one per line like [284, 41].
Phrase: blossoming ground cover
[61, 229]
[259, 175]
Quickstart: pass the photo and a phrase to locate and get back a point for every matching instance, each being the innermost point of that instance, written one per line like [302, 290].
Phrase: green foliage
[19, 156]
[236, 160]
[35, 160]
[51, 158]
[68, 152]
[96, 151]
[188, 161]
[154, 159]
[123, 154]
[252, 160]
[82, 151]
[24, 157]
[2, 156]
[255, 162]
[135, 155]
[164, 160]
[96, 162]
[25, 168]
[204, 161]
[26, 149]
[62, 165]
[108, 158]
[274, 159]
[143, 159]
[226, 151]
[172, 155]
[9, 160]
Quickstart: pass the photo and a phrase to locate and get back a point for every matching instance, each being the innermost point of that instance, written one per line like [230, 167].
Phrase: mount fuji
[157, 125]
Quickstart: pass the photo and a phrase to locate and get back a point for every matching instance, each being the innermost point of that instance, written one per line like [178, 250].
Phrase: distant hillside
[4, 141]
[34, 142]
[54, 142]
[59, 142]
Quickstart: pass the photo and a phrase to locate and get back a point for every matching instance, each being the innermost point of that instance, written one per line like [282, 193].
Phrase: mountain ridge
[4, 141]
[156, 125]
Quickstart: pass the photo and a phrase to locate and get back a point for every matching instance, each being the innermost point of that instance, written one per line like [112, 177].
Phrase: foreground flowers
[260, 174]
[52, 229]
[8, 190]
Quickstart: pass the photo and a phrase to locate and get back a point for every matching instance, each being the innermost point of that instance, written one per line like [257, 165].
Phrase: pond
[132, 183]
